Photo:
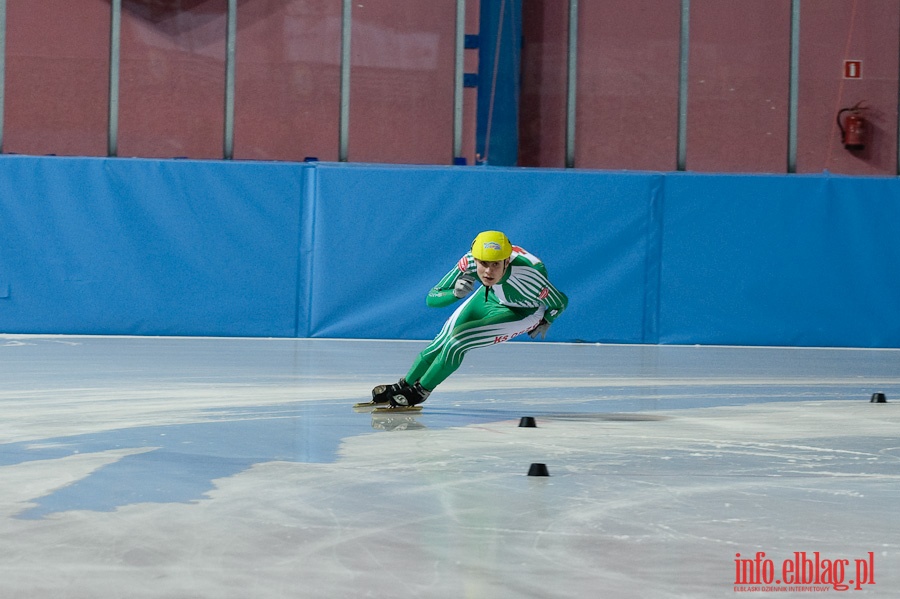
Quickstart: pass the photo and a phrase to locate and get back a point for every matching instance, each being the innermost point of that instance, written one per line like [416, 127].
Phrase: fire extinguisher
[853, 128]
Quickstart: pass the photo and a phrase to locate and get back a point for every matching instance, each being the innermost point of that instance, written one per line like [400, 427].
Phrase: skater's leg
[498, 325]
[471, 309]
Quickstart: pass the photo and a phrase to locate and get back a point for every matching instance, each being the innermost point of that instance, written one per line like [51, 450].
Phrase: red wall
[401, 99]
[57, 77]
[287, 90]
[287, 102]
[738, 87]
[172, 79]
[542, 115]
[738, 84]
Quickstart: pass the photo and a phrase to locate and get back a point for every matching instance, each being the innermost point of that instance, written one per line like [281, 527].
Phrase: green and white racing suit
[488, 316]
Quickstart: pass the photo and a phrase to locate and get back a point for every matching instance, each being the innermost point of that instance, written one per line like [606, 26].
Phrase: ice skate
[381, 395]
[405, 399]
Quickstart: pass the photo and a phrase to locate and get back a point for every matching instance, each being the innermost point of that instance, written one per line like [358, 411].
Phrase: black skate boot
[382, 393]
[409, 396]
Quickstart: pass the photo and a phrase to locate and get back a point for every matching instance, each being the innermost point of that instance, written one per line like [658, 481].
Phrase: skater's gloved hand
[540, 329]
[463, 286]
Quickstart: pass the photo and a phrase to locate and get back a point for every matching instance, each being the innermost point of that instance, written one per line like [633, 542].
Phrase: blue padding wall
[164, 247]
[147, 247]
[385, 236]
[780, 260]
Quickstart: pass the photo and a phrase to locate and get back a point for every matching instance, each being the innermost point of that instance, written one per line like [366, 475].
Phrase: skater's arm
[442, 294]
[556, 302]
[554, 299]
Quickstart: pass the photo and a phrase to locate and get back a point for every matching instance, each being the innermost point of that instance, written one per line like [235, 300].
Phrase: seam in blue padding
[653, 259]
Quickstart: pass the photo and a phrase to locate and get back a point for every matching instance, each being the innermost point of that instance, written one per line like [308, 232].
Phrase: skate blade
[397, 409]
[367, 405]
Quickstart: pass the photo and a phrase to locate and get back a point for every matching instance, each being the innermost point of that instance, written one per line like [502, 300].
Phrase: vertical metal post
[681, 159]
[458, 77]
[230, 43]
[793, 103]
[572, 83]
[346, 26]
[115, 44]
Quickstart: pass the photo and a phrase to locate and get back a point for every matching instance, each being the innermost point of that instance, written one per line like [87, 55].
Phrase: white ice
[236, 468]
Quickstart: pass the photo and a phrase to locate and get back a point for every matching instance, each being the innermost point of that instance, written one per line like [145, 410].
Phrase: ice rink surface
[236, 468]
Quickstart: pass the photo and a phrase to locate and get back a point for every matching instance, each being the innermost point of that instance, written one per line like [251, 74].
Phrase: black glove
[540, 329]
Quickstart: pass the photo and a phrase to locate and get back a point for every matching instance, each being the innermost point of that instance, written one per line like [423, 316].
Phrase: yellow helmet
[491, 246]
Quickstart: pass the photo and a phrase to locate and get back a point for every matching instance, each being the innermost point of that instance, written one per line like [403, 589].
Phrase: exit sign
[852, 69]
